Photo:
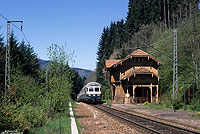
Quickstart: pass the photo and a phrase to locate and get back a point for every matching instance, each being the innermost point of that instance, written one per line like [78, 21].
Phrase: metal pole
[7, 65]
[175, 66]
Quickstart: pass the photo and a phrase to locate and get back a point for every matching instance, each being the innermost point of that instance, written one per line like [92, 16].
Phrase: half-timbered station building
[133, 79]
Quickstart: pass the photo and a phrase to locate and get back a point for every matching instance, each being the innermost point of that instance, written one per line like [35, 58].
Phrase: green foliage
[78, 83]
[23, 57]
[29, 102]
[2, 63]
[195, 107]
[21, 108]
[59, 78]
[177, 103]
[59, 124]
[24, 89]
[106, 92]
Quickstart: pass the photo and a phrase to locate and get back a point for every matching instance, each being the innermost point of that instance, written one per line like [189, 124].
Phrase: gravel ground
[167, 114]
[94, 121]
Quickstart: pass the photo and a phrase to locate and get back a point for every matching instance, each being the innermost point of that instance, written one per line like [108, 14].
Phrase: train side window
[96, 89]
[90, 89]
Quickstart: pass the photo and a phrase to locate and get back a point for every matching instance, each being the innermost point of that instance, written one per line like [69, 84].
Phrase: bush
[195, 107]
[177, 103]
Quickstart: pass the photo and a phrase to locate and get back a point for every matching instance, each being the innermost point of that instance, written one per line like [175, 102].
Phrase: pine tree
[23, 57]
[2, 64]
[130, 27]
[78, 83]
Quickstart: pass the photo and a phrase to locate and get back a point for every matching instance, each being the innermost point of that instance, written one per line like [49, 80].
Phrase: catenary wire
[17, 28]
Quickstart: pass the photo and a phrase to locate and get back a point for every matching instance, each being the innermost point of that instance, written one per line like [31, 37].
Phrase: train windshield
[90, 89]
[96, 89]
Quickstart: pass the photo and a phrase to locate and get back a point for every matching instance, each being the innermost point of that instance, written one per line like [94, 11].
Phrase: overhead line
[150, 46]
[3, 17]
[17, 28]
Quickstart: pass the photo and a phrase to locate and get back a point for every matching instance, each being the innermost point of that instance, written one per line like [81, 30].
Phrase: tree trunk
[186, 12]
[190, 10]
[165, 20]
[168, 13]
[173, 20]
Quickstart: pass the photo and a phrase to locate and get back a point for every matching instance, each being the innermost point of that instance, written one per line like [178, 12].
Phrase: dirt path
[96, 122]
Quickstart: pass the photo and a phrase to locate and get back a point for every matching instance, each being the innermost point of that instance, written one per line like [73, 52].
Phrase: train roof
[93, 84]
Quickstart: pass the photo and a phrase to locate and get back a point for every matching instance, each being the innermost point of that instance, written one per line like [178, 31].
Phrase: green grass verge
[156, 106]
[59, 124]
[79, 127]
[196, 115]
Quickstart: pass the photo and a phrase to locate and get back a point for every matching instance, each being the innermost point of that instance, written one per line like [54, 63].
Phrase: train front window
[90, 89]
[96, 89]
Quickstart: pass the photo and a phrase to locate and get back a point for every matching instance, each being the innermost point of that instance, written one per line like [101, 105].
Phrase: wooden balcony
[133, 69]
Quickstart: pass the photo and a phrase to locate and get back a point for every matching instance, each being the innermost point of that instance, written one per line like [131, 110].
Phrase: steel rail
[176, 128]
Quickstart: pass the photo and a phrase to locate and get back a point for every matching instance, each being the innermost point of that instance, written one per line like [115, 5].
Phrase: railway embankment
[180, 117]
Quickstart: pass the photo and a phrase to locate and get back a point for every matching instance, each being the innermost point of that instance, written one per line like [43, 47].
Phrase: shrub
[195, 107]
[177, 103]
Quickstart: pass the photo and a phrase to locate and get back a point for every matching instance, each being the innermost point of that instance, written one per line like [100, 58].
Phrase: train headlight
[89, 94]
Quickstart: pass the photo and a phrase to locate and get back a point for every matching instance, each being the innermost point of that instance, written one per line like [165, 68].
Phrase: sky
[78, 24]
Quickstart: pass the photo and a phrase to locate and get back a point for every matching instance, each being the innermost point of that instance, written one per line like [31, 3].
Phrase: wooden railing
[131, 70]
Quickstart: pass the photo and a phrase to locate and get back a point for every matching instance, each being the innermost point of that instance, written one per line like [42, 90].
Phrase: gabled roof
[110, 63]
[137, 53]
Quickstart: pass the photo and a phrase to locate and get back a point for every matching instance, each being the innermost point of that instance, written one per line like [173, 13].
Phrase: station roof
[110, 63]
[137, 53]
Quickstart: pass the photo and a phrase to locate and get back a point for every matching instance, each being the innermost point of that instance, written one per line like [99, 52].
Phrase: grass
[197, 115]
[107, 101]
[156, 106]
[79, 127]
[60, 124]
[192, 110]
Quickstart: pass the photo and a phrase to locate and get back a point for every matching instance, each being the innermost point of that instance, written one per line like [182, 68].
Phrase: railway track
[144, 123]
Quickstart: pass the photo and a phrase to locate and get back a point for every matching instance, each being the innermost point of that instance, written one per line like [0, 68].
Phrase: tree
[23, 58]
[2, 64]
[60, 79]
[78, 83]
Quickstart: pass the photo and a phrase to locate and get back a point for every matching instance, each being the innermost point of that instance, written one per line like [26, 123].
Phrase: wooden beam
[134, 86]
[156, 93]
[151, 92]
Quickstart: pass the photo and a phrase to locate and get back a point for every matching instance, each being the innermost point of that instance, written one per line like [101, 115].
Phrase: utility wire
[17, 28]
[150, 46]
